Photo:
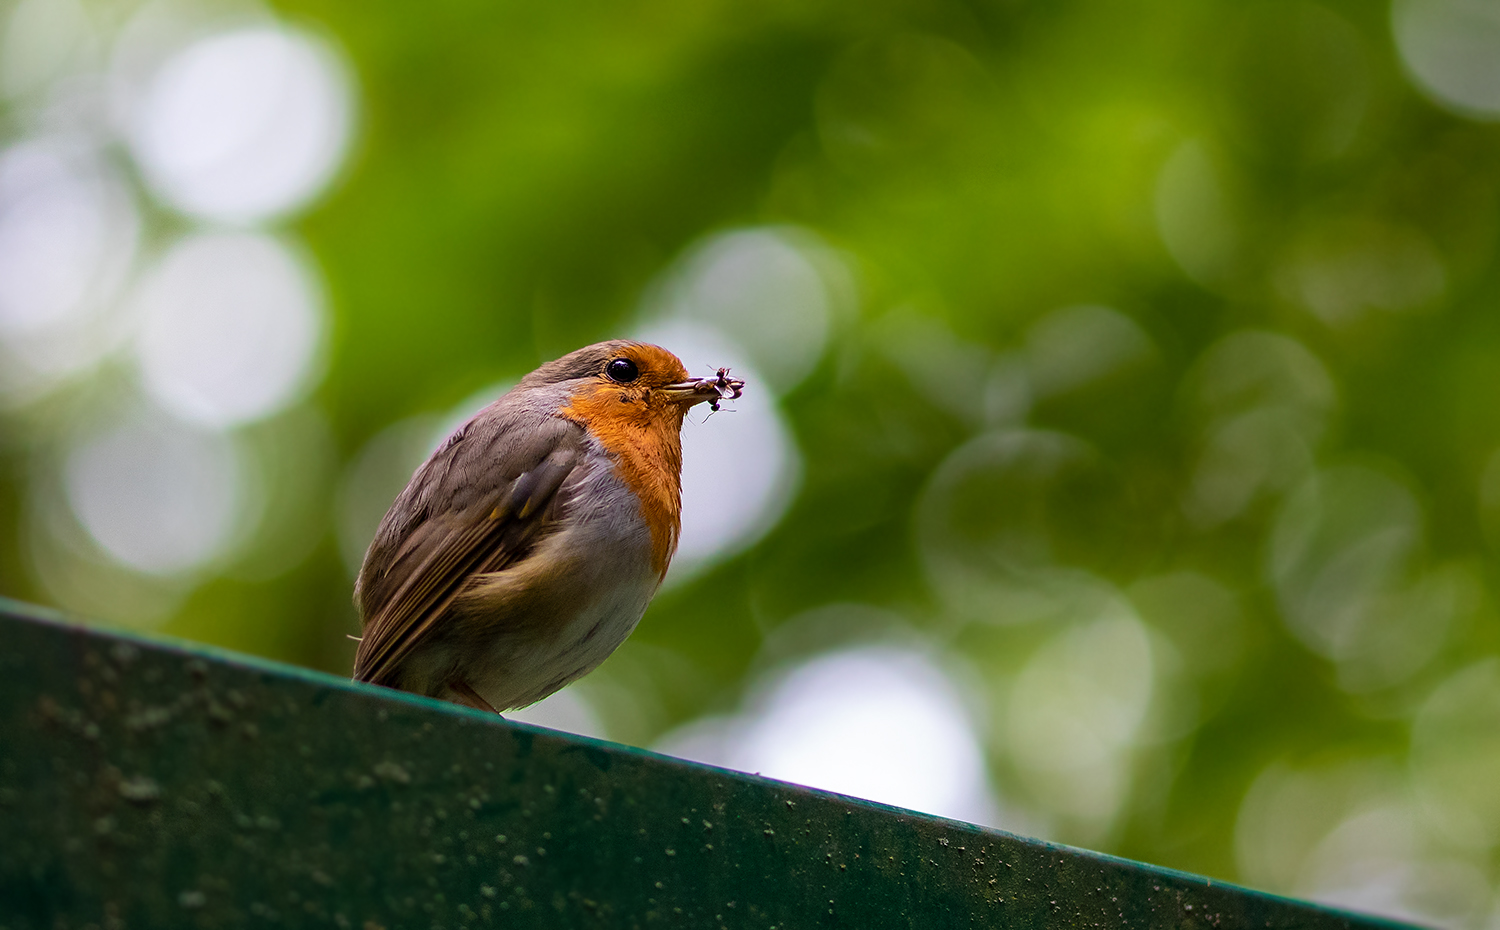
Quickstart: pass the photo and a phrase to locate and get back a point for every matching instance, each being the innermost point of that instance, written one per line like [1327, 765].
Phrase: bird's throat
[645, 442]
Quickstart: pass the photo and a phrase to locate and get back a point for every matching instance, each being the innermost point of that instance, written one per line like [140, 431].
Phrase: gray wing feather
[480, 503]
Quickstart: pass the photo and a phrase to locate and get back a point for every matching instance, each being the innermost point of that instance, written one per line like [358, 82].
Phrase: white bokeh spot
[243, 126]
[874, 722]
[155, 494]
[230, 326]
[772, 290]
[1452, 49]
[68, 234]
[1075, 711]
[564, 710]
[740, 468]
[1197, 216]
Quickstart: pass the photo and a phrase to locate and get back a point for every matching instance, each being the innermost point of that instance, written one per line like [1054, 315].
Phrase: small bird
[526, 548]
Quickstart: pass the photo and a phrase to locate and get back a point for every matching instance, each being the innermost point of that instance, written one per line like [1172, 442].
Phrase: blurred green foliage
[1284, 457]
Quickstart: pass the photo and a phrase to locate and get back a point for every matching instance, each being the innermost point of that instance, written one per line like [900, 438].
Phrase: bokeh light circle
[244, 125]
[156, 494]
[1456, 755]
[773, 290]
[230, 326]
[874, 722]
[1346, 560]
[1452, 48]
[1075, 711]
[68, 235]
[1073, 347]
[1198, 215]
[740, 469]
[43, 41]
[987, 530]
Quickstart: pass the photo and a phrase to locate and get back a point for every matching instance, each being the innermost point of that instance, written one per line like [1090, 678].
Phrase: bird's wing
[480, 503]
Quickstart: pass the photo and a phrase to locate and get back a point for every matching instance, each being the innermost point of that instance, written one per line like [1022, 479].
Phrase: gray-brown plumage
[526, 548]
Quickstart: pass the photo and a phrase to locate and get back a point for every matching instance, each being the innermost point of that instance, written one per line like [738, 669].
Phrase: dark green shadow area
[156, 784]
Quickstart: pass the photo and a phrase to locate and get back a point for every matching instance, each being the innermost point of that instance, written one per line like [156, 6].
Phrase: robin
[526, 548]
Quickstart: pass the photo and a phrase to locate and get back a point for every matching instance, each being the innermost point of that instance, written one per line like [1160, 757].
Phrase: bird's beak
[698, 390]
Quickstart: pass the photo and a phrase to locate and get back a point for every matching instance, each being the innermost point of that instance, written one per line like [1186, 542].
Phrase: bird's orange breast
[645, 441]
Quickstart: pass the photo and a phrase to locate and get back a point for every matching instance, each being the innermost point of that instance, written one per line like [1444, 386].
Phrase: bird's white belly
[514, 674]
[610, 590]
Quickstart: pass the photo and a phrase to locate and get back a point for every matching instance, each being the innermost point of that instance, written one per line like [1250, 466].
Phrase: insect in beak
[713, 390]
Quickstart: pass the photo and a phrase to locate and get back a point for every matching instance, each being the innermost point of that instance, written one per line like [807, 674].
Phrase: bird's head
[631, 383]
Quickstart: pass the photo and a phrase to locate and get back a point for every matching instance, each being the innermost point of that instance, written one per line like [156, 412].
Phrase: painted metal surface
[153, 784]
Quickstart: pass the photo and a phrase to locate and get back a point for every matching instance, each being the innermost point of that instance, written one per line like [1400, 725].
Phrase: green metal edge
[148, 782]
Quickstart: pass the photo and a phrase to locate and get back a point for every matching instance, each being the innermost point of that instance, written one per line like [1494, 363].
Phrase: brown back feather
[481, 502]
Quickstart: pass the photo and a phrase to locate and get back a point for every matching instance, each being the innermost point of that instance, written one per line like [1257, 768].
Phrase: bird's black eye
[622, 370]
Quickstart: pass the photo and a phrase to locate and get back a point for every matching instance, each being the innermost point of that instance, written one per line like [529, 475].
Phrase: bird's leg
[469, 697]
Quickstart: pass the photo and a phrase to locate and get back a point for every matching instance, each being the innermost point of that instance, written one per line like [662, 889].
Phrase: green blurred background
[1135, 366]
